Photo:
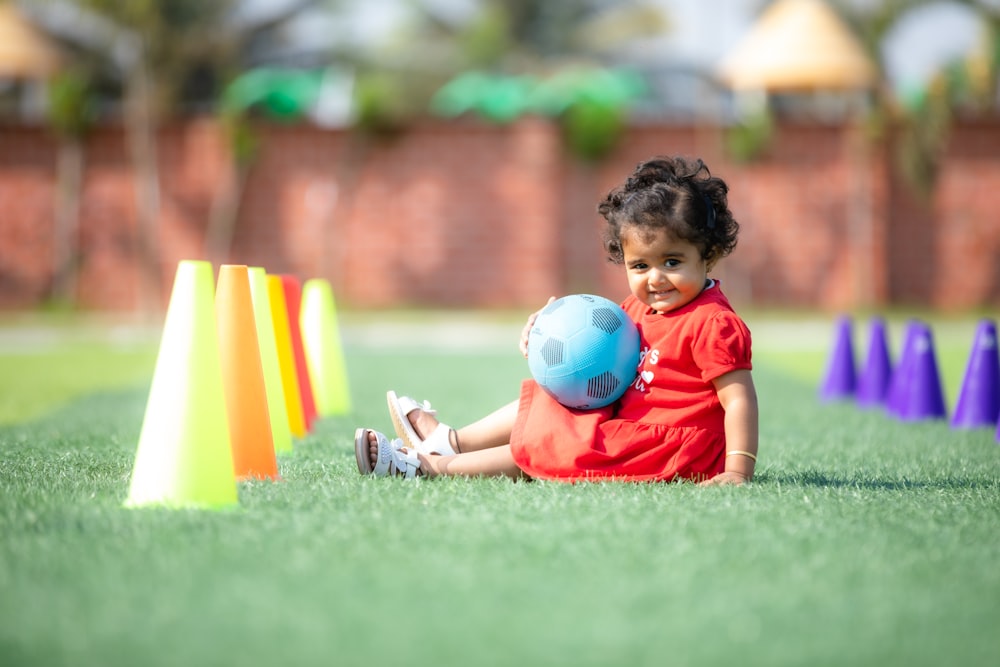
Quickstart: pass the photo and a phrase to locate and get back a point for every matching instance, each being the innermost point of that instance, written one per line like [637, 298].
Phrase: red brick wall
[798, 243]
[27, 204]
[965, 266]
[468, 214]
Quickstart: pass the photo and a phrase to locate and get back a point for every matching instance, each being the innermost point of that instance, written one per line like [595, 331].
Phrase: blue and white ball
[583, 350]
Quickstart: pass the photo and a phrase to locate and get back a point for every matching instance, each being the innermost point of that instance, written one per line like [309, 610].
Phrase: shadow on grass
[819, 478]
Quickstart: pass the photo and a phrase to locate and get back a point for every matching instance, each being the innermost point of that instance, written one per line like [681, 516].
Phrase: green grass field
[863, 541]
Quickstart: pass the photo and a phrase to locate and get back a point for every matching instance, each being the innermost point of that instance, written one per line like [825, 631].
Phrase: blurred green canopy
[289, 93]
[503, 98]
[281, 93]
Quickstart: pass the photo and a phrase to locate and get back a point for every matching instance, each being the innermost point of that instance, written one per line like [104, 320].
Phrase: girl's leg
[490, 462]
[493, 430]
[483, 446]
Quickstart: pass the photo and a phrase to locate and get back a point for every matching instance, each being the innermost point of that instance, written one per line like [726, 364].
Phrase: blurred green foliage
[71, 110]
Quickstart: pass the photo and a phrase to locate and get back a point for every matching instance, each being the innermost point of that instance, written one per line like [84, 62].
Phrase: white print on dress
[645, 377]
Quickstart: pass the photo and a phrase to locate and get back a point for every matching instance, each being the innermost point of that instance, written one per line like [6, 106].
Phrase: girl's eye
[672, 263]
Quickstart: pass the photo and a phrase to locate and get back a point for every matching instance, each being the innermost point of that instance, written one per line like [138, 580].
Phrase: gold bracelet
[740, 452]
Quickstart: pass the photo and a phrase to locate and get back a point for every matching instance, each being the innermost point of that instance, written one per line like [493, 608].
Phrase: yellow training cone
[324, 354]
[286, 358]
[243, 377]
[281, 434]
[293, 302]
[184, 457]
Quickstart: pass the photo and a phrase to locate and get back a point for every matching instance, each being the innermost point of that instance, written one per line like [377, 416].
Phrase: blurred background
[451, 153]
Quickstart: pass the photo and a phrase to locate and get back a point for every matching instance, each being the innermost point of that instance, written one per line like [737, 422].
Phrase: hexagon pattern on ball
[583, 350]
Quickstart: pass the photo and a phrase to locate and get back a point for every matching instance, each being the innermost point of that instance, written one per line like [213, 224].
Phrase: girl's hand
[738, 397]
[523, 343]
[726, 478]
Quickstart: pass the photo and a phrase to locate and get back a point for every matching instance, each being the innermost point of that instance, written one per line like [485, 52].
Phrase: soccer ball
[583, 350]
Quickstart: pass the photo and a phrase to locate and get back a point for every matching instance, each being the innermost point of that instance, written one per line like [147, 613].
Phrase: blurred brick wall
[467, 214]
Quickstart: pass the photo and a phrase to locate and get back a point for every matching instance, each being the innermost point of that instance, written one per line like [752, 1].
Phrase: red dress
[669, 422]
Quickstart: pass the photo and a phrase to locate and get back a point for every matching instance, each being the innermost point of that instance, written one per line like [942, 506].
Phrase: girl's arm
[739, 399]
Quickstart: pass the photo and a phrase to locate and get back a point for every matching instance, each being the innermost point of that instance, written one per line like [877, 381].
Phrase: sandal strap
[408, 405]
[385, 459]
[438, 441]
[394, 460]
[406, 463]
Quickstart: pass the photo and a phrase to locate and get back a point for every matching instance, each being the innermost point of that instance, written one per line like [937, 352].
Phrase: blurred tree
[924, 119]
[169, 56]
[71, 113]
[157, 45]
[507, 44]
[538, 32]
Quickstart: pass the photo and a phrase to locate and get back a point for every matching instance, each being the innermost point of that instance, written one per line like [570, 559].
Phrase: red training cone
[293, 302]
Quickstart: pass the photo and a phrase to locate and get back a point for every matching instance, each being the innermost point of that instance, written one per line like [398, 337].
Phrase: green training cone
[281, 433]
[184, 457]
[324, 354]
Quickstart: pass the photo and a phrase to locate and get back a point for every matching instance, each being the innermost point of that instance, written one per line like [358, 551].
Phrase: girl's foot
[376, 455]
[418, 427]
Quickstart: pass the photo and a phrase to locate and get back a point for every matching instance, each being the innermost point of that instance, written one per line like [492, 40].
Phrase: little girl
[691, 412]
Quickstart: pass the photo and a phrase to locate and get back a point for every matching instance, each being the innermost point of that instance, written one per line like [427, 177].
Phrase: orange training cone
[243, 377]
[286, 358]
[281, 434]
[293, 301]
[184, 457]
[324, 354]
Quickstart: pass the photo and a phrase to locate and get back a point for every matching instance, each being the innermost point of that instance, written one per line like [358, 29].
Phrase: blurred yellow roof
[25, 52]
[798, 45]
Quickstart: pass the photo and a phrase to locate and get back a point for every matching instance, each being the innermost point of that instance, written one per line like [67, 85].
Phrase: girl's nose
[657, 278]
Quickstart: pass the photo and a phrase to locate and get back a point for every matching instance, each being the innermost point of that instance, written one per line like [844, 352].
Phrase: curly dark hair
[675, 194]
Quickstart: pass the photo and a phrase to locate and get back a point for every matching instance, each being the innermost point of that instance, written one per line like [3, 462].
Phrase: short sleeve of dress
[722, 346]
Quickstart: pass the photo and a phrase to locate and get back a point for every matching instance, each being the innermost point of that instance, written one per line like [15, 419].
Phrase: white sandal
[437, 442]
[392, 458]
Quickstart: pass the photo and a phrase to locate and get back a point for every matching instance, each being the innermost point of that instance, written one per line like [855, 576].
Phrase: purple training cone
[901, 376]
[873, 383]
[840, 380]
[979, 398]
[922, 397]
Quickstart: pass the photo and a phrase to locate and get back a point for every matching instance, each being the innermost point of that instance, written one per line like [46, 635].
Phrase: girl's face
[663, 272]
